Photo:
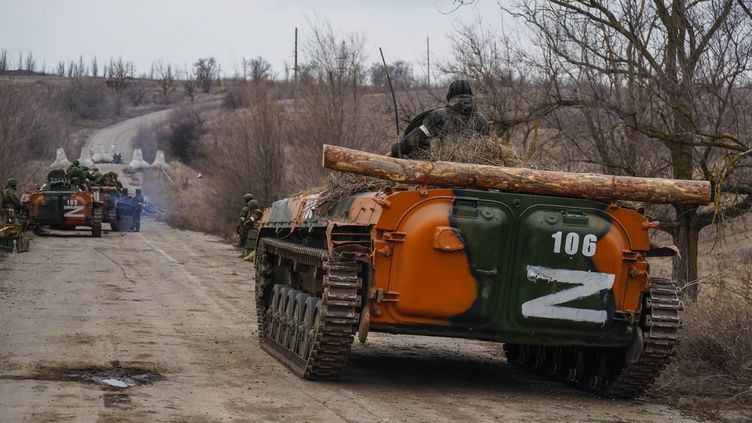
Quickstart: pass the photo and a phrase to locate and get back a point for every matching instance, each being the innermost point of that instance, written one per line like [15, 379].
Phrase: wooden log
[591, 186]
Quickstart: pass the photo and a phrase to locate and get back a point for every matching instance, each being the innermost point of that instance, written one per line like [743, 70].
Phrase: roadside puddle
[114, 377]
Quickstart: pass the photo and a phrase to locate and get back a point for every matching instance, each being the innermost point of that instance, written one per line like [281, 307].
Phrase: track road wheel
[615, 372]
[310, 321]
[112, 218]
[319, 350]
[296, 339]
[96, 223]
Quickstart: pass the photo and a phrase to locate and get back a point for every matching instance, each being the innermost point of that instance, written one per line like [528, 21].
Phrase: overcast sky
[179, 31]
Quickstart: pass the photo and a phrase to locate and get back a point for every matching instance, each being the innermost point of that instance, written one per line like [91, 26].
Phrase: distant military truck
[59, 204]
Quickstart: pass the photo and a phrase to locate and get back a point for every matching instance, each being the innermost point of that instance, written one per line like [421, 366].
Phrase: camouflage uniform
[94, 177]
[251, 225]
[458, 117]
[240, 227]
[110, 179]
[76, 175]
[11, 203]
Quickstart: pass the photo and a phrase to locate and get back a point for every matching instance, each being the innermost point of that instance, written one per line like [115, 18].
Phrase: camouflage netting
[487, 150]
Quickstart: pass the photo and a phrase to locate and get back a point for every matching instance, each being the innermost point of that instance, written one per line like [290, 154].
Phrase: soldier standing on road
[240, 227]
[459, 117]
[11, 203]
[251, 225]
[138, 206]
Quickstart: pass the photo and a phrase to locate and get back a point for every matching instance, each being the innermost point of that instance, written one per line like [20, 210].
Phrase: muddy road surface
[160, 326]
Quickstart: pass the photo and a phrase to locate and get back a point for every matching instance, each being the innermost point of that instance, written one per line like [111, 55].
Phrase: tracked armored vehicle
[562, 282]
[121, 211]
[59, 204]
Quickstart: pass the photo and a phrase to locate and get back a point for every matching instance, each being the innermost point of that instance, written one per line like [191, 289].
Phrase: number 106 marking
[572, 243]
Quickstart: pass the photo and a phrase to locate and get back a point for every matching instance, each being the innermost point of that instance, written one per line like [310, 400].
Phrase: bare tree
[19, 66]
[204, 70]
[3, 61]
[189, 84]
[30, 128]
[165, 76]
[94, 67]
[331, 99]
[401, 73]
[118, 76]
[81, 66]
[662, 89]
[30, 64]
[259, 69]
[251, 158]
[60, 70]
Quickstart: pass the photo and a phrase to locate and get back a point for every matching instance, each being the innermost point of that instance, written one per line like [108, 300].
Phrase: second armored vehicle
[61, 205]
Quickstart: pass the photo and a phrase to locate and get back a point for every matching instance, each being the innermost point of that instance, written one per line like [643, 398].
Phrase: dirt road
[121, 135]
[160, 326]
[174, 309]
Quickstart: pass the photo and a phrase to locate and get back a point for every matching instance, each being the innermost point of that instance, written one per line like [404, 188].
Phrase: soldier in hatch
[459, 117]
[94, 177]
[76, 175]
[110, 179]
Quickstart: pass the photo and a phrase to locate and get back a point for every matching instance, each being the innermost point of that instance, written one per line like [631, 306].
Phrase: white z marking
[549, 306]
[74, 211]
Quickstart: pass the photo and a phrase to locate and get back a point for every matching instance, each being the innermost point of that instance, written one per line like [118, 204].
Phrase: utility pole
[428, 63]
[295, 64]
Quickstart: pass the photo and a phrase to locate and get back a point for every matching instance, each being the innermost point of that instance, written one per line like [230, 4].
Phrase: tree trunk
[591, 186]
[686, 237]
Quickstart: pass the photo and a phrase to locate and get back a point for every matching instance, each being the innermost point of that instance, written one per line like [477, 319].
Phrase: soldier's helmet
[244, 210]
[458, 87]
[12, 183]
[253, 204]
[76, 163]
[248, 197]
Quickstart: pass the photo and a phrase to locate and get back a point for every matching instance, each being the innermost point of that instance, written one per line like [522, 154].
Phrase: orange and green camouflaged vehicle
[562, 282]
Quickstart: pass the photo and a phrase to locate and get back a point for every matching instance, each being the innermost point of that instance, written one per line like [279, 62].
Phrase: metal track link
[339, 313]
[660, 324]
